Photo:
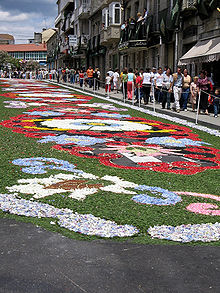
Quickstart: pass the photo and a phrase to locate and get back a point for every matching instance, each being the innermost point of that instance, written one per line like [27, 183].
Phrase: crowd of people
[159, 85]
[166, 87]
[25, 74]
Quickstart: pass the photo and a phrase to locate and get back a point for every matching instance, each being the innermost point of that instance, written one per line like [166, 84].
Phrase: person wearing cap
[177, 89]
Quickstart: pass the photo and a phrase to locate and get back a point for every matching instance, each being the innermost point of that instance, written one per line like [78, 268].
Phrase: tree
[32, 65]
[6, 59]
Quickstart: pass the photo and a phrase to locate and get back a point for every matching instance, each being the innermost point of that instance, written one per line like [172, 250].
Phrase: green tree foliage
[6, 59]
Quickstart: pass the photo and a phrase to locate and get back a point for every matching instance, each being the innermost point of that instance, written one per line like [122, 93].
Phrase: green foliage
[5, 59]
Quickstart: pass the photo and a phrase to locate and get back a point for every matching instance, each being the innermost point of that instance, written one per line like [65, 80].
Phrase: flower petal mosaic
[48, 187]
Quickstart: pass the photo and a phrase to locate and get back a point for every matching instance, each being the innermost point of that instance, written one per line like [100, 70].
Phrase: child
[139, 87]
[194, 93]
[108, 83]
[216, 102]
[81, 78]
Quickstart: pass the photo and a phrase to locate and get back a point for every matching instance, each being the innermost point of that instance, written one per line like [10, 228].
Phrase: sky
[21, 18]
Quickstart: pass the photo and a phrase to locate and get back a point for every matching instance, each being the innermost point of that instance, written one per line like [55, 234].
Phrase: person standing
[124, 80]
[177, 88]
[90, 75]
[203, 84]
[194, 93]
[130, 84]
[147, 79]
[81, 78]
[111, 72]
[186, 88]
[139, 87]
[167, 88]
[116, 80]
[98, 77]
[158, 81]
[216, 102]
[108, 83]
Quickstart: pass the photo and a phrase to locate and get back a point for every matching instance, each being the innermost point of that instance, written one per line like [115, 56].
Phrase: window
[115, 13]
[105, 17]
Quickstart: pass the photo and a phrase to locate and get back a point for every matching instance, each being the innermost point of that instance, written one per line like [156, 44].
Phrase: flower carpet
[88, 169]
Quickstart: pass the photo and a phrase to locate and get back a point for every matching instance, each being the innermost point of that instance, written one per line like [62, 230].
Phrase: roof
[24, 48]
[6, 37]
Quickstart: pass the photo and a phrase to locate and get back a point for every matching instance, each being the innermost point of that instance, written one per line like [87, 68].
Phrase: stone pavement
[34, 260]
[204, 120]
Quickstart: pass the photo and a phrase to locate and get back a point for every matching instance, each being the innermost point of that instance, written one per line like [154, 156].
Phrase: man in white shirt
[147, 79]
[158, 82]
[115, 77]
[110, 72]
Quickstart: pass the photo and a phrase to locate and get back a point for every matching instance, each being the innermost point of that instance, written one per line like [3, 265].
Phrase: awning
[204, 51]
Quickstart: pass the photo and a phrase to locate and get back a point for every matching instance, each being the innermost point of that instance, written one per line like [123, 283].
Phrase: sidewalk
[204, 120]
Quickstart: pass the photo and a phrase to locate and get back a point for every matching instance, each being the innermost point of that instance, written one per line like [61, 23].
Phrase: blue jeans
[90, 81]
[137, 93]
[185, 96]
[166, 99]
[216, 106]
[158, 95]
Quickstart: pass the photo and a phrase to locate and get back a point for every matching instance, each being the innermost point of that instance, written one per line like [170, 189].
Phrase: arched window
[105, 17]
[115, 13]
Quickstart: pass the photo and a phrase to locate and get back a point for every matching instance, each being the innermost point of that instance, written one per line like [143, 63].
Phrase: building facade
[27, 52]
[200, 38]
[6, 39]
[139, 34]
[52, 51]
[73, 32]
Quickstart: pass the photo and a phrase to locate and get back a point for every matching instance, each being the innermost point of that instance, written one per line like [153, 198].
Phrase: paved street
[35, 260]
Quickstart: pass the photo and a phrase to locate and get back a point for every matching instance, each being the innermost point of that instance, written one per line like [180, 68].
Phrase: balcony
[189, 7]
[84, 11]
[113, 33]
[73, 17]
[58, 19]
[65, 3]
[68, 26]
[110, 35]
[103, 37]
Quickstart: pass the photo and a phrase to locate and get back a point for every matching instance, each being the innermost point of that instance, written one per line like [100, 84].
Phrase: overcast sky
[21, 18]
